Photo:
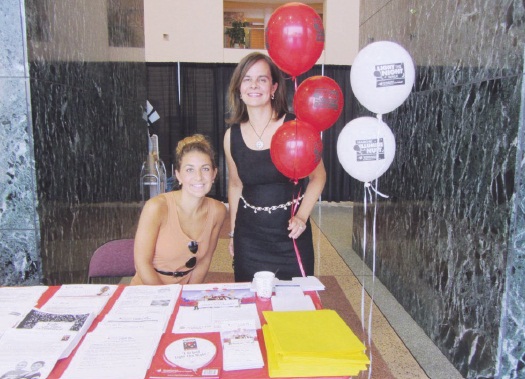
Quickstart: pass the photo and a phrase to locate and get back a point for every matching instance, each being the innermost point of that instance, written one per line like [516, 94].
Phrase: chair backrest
[112, 259]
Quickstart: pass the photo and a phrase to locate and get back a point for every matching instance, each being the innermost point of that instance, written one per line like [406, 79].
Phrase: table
[169, 337]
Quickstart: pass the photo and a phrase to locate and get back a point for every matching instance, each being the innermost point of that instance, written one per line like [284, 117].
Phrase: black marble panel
[450, 234]
[445, 228]
[88, 94]
[72, 233]
[90, 143]
[512, 352]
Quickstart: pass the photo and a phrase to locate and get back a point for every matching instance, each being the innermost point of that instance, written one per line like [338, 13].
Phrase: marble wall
[75, 174]
[450, 236]
[19, 225]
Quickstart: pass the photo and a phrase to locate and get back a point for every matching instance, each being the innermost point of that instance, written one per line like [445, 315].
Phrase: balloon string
[296, 179]
[295, 204]
[372, 198]
[369, 185]
[372, 291]
[365, 201]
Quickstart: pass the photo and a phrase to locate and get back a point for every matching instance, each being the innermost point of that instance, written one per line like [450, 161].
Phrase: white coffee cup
[263, 282]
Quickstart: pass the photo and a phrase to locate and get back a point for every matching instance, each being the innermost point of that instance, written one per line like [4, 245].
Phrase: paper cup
[263, 282]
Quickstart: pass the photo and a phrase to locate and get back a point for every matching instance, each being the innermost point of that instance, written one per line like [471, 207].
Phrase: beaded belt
[273, 207]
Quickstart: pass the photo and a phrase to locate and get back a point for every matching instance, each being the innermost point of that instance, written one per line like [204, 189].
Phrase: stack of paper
[309, 283]
[312, 343]
[113, 355]
[240, 346]
[80, 298]
[142, 307]
[30, 353]
[16, 302]
[70, 327]
[123, 344]
[291, 298]
[204, 307]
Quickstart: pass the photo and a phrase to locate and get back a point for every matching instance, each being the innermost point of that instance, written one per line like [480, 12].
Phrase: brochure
[71, 327]
[240, 345]
[187, 356]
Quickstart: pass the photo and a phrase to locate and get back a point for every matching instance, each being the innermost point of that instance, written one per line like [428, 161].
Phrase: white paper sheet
[191, 320]
[154, 322]
[292, 303]
[240, 346]
[70, 326]
[24, 348]
[143, 306]
[117, 355]
[80, 298]
[141, 300]
[16, 303]
[309, 283]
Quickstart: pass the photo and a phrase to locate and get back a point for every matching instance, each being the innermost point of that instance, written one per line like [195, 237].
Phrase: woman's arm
[199, 274]
[234, 185]
[153, 213]
[317, 180]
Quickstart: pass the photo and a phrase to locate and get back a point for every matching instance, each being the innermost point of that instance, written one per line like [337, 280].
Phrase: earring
[273, 96]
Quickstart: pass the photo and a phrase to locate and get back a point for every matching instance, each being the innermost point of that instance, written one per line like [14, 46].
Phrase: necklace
[259, 144]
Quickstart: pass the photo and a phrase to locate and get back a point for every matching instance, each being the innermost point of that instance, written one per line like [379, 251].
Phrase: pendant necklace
[260, 144]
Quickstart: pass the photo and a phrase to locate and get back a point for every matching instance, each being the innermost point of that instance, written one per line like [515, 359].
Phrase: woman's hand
[230, 247]
[296, 226]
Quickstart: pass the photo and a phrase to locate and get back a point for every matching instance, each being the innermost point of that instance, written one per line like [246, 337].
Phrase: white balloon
[366, 148]
[382, 76]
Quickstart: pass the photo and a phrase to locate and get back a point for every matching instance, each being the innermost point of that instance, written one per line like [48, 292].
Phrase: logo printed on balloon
[382, 76]
[296, 149]
[390, 75]
[366, 148]
[319, 102]
[295, 38]
[370, 149]
[325, 98]
[318, 26]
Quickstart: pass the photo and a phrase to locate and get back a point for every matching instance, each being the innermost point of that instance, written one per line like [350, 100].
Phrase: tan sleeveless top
[171, 251]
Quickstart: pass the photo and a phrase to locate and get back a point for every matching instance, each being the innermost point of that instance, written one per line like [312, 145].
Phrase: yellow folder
[317, 343]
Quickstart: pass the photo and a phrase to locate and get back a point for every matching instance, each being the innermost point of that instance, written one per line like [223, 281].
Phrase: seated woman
[178, 230]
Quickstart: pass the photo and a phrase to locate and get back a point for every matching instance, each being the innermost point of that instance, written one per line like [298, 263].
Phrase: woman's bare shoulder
[220, 207]
[157, 205]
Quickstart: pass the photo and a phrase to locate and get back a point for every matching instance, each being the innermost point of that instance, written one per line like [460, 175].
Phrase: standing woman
[259, 196]
[178, 230]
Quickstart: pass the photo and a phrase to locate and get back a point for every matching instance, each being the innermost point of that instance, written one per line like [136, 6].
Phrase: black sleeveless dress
[261, 241]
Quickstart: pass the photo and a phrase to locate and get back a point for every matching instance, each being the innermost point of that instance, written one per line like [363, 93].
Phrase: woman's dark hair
[237, 108]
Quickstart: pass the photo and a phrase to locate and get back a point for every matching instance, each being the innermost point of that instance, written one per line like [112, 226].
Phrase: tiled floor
[403, 345]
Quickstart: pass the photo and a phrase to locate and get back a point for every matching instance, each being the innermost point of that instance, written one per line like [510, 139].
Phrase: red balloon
[319, 102]
[296, 149]
[295, 38]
